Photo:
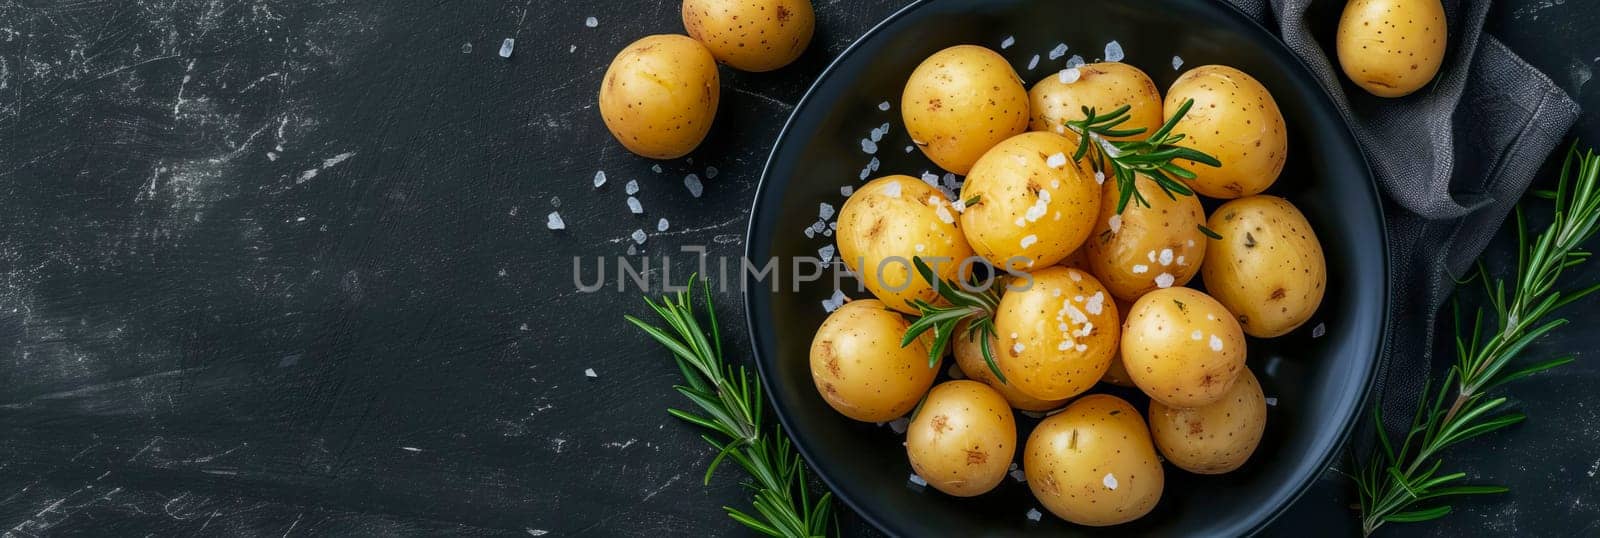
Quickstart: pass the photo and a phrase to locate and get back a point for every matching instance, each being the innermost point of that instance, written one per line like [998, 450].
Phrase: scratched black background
[281, 267]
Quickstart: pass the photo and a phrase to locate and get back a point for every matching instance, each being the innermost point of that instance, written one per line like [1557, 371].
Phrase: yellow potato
[1031, 204]
[1058, 335]
[751, 35]
[1093, 463]
[861, 370]
[969, 357]
[659, 96]
[1101, 86]
[960, 102]
[1215, 438]
[891, 220]
[1391, 47]
[1146, 248]
[1268, 267]
[1234, 119]
[962, 439]
[1181, 347]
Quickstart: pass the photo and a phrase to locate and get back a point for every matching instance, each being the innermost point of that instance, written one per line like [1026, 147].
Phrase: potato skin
[960, 102]
[1101, 86]
[969, 357]
[962, 439]
[1391, 48]
[1268, 268]
[887, 222]
[1057, 337]
[1028, 210]
[659, 96]
[1147, 242]
[1215, 438]
[1117, 373]
[751, 35]
[1093, 463]
[1181, 347]
[861, 370]
[1234, 119]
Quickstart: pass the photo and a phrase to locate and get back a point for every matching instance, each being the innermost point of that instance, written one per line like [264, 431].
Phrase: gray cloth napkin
[1452, 159]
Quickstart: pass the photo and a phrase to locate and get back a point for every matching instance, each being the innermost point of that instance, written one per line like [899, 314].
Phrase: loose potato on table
[1234, 119]
[962, 438]
[1268, 268]
[1028, 203]
[1093, 463]
[1391, 48]
[1181, 347]
[1058, 335]
[861, 370]
[891, 220]
[751, 35]
[1214, 438]
[1146, 248]
[969, 357]
[960, 102]
[1104, 86]
[659, 96]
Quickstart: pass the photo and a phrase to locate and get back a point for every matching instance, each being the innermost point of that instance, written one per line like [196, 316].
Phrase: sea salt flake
[825, 253]
[711, 172]
[589, 372]
[1063, 346]
[1099, 178]
[833, 303]
[1069, 75]
[1114, 51]
[1140, 269]
[847, 190]
[910, 148]
[959, 205]
[1056, 161]
[1177, 62]
[824, 211]
[884, 106]
[1180, 260]
[920, 247]
[865, 173]
[1034, 515]
[1017, 347]
[1096, 304]
[1216, 343]
[1196, 335]
[874, 164]
[1150, 255]
[1165, 257]
[1033, 62]
[1164, 280]
[639, 236]
[1008, 42]
[507, 46]
[1272, 402]
[869, 146]
[693, 183]
[1075, 61]
[1080, 348]
[892, 190]
[944, 215]
[1059, 51]
[655, 168]
[554, 221]
[1029, 240]
[930, 178]
[1018, 475]
[1319, 330]
[918, 481]
[632, 187]
[1110, 481]
[635, 206]
[599, 178]
[661, 225]
[591, 22]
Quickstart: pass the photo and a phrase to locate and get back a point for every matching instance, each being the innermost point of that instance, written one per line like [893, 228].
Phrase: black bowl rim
[1345, 428]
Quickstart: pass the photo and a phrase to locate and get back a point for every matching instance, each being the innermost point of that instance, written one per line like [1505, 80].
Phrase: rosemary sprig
[731, 401]
[1396, 483]
[975, 308]
[1125, 160]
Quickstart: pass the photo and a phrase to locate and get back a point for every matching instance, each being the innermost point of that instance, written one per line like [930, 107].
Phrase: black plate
[1319, 383]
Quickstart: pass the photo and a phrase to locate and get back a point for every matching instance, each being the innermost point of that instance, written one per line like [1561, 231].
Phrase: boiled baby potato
[659, 96]
[1093, 463]
[960, 102]
[1101, 86]
[751, 35]
[891, 220]
[1028, 204]
[969, 357]
[860, 368]
[1181, 347]
[1391, 47]
[1057, 333]
[1234, 119]
[1268, 267]
[1214, 438]
[1146, 248]
[962, 438]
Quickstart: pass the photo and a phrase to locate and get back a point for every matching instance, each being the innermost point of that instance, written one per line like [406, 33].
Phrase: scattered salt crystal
[1140, 269]
[1096, 304]
[899, 426]
[1164, 280]
[817, 227]
[833, 303]
[1029, 240]
[1013, 336]
[892, 190]
[632, 250]
[1033, 62]
[1272, 402]
[635, 206]
[869, 146]
[1114, 51]
[1069, 75]
[949, 181]
[1017, 347]
[825, 253]
[591, 22]
[874, 164]
[1319, 330]
[1216, 343]
[1180, 260]
[1081, 348]
[571, 49]
[930, 178]
[1150, 255]
[639, 236]
[1166, 256]
[1075, 61]
[1064, 345]
[1034, 515]
[589, 372]
[1074, 276]
[661, 225]
[1110, 481]
[959, 205]
[884, 106]
[875, 135]
[1007, 42]
[1099, 178]
[944, 214]
[599, 178]
[506, 47]
[866, 171]
[655, 168]
[1056, 161]
[1059, 51]
[910, 148]
[693, 183]
[1196, 335]
[1190, 242]
[824, 211]
[711, 172]
[1177, 62]
[847, 190]
[919, 247]
[1115, 222]
[466, 48]
[554, 222]
[632, 187]
[918, 481]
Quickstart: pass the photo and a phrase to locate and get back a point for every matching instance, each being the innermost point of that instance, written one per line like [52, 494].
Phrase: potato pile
[1082, 294]
[660, 94]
